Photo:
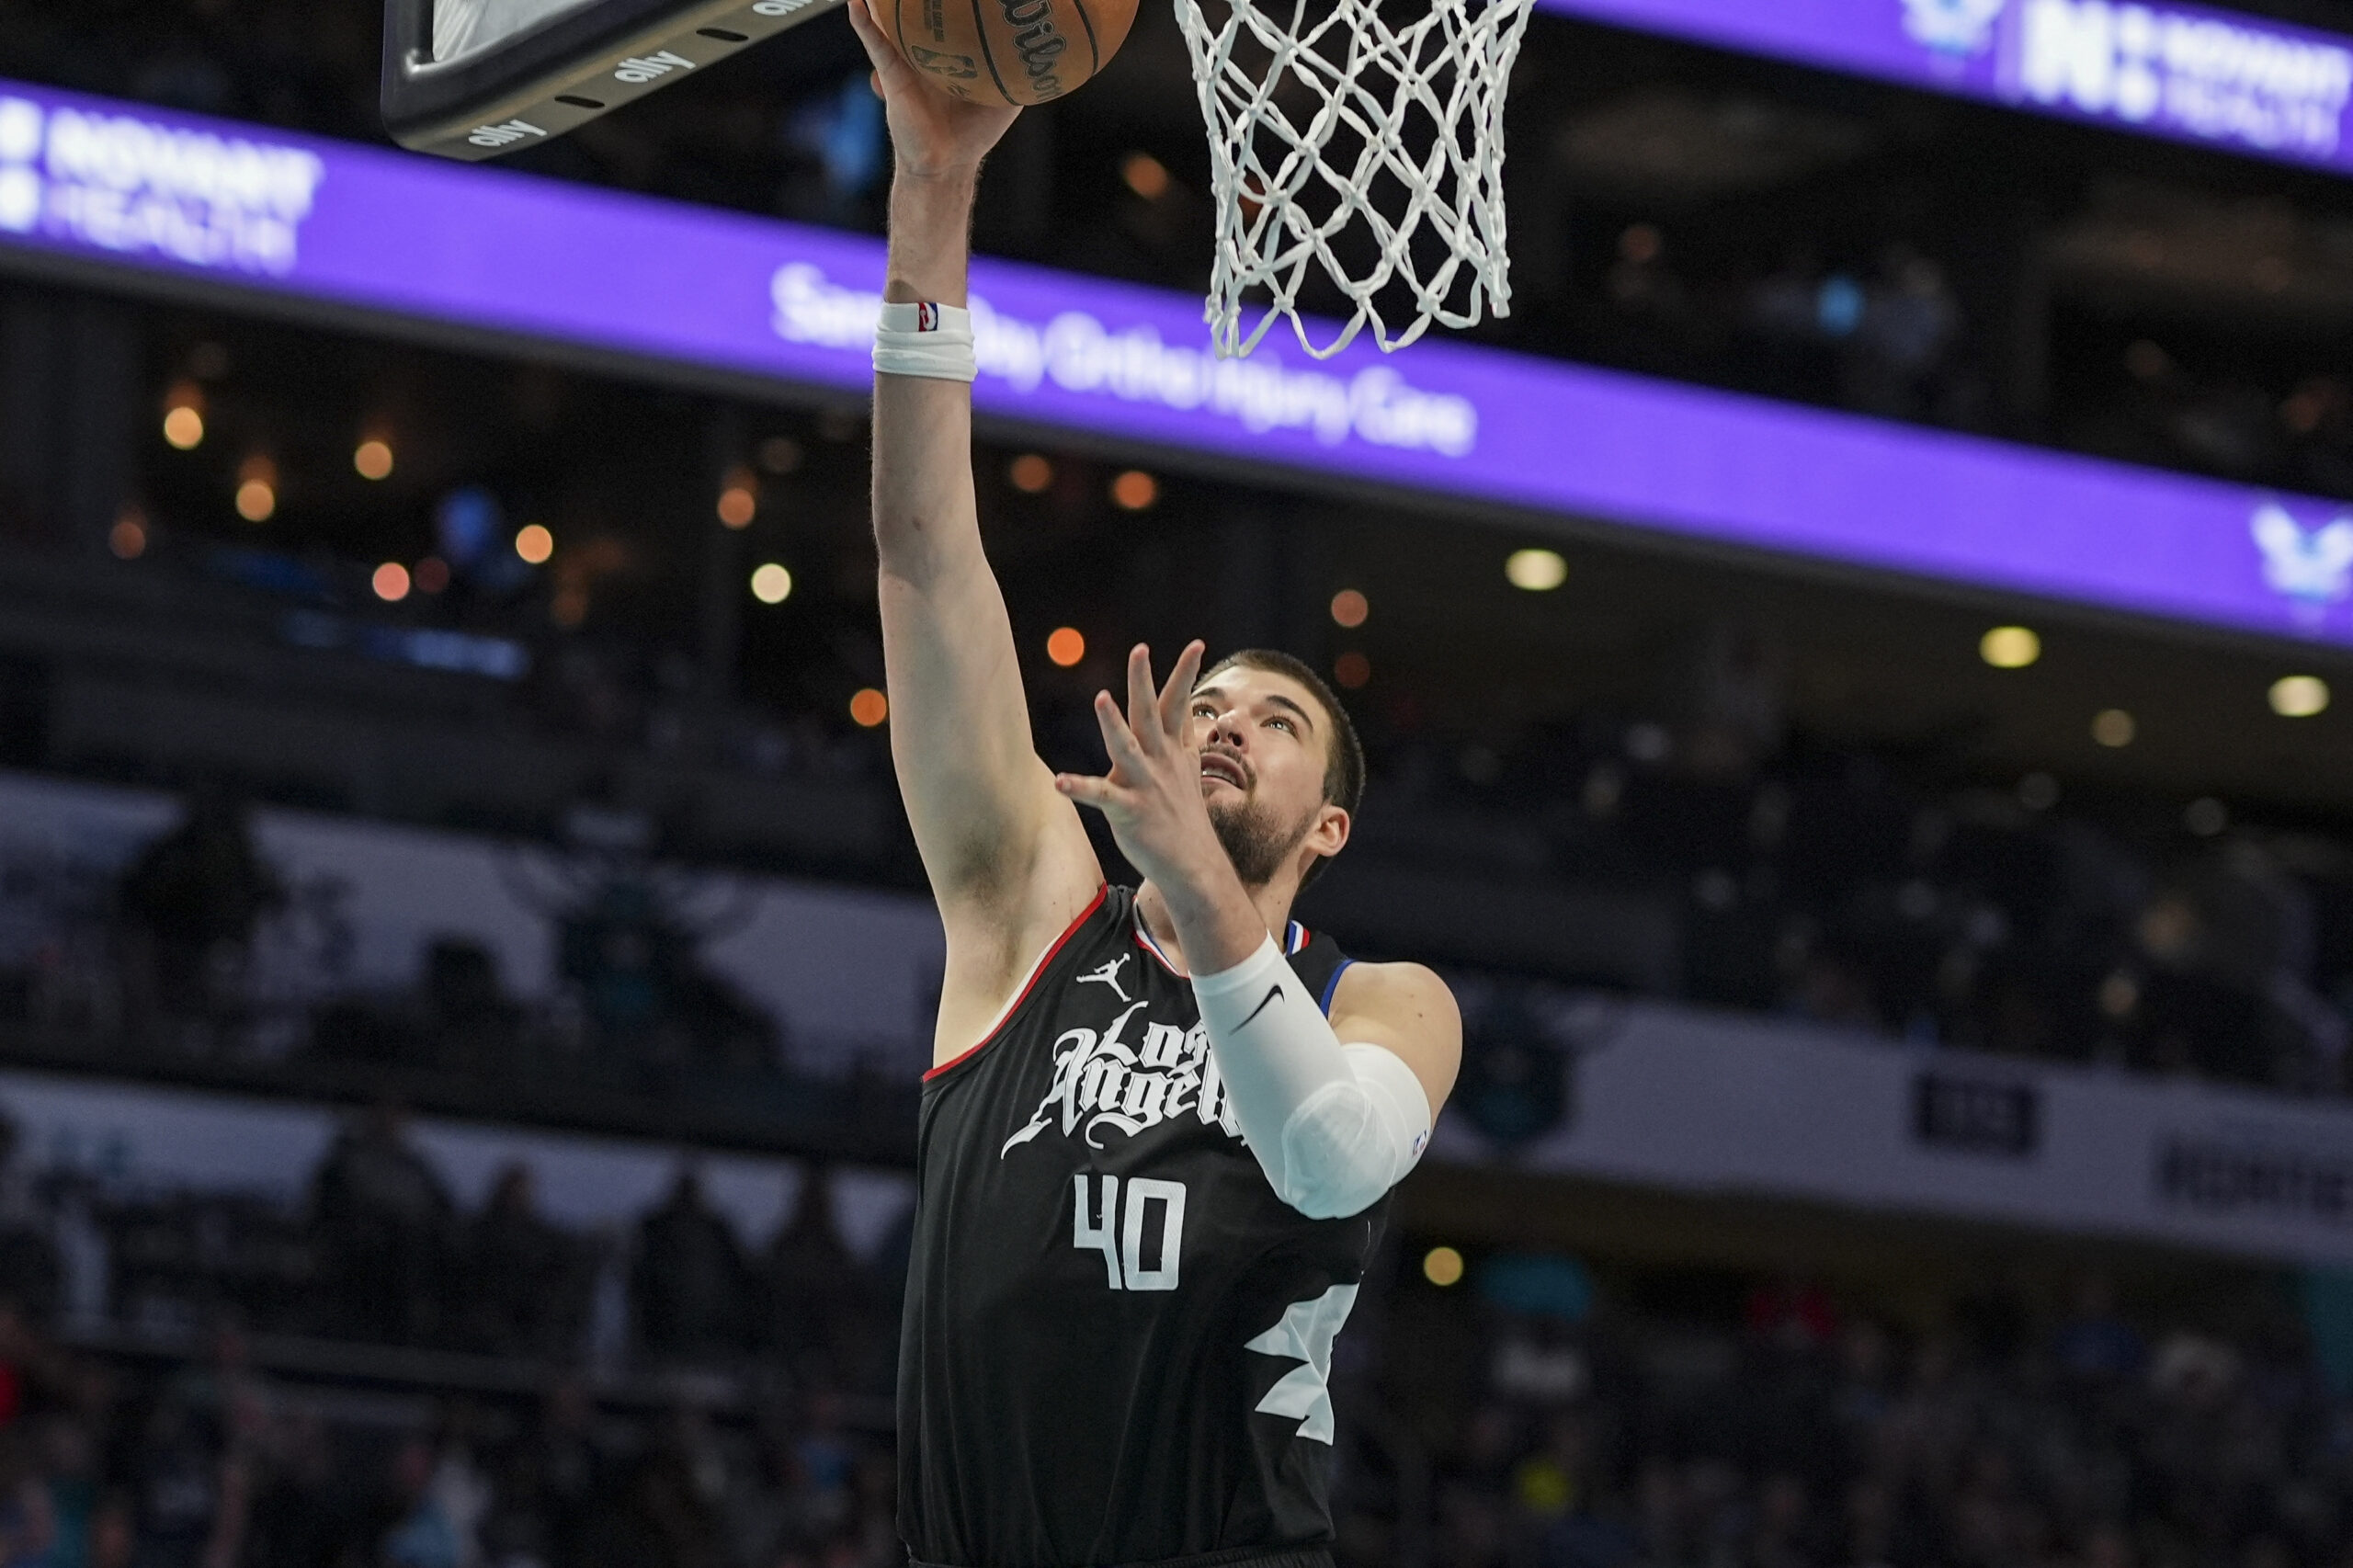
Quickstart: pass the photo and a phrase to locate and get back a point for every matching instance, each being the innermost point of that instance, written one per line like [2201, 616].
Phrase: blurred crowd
[381, 1252]
[1809, 884]
[1539, 1414]
[660, 1397]
[393, 1261]
[115, 1461]
[1825, 885]
[1794, 1432]
[200, 949]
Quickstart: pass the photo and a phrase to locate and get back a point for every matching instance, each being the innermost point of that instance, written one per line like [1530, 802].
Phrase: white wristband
[927, 340]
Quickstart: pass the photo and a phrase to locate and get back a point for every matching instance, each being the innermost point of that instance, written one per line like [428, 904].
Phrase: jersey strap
[1332, 986]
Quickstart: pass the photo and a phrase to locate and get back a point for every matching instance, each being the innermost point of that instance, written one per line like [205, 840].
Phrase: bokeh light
[1350, 608]
[2114, 728]
[184, 415]
[771, 584]
[257, 500]
[127, 538]
[1135, 490]
[869, 707]
[1536, 571]
[738, 504]
[390, 582]
[2010, 647]
[535, 544]
[373, 460]
[2300, 697]
[184, 428]
[1145, 175]
[1352, 670]
[432, 575]
[1030, 473]
[1065, 646]
[1442, 1267]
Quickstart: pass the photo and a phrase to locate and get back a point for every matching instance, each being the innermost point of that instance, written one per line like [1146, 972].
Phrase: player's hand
[1153, 795]
[935, 135]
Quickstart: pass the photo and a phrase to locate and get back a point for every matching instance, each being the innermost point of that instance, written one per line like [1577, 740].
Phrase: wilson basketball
[1007, 51]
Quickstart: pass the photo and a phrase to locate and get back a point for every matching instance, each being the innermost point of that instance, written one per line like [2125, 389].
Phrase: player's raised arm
[1008, 858]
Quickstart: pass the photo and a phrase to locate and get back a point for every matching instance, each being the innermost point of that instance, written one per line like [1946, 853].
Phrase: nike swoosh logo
[1272, 996]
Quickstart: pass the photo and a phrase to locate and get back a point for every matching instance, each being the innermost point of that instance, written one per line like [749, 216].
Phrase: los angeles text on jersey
[1130, 1076]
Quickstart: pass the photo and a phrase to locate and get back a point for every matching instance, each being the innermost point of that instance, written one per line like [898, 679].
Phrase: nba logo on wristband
[925, 338]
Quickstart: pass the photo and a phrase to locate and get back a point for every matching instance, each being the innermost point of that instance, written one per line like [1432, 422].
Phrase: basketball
[1007, 51]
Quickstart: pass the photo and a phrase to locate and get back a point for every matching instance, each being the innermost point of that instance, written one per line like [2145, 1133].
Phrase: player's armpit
[1408, 1009]
[992, 959]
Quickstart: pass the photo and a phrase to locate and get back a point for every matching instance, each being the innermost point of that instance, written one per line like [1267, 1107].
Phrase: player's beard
[1257, 842]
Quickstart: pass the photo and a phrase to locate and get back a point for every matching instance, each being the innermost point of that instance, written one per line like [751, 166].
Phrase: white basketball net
[1320, 112]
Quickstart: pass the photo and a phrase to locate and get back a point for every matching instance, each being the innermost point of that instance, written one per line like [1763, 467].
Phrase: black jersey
[1118, 1339]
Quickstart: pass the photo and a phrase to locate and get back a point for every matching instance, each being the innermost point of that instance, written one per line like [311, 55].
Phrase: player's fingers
[1118, 740]
[1097, 793]
[1142, 700]
[1177, 696]
[870, 33]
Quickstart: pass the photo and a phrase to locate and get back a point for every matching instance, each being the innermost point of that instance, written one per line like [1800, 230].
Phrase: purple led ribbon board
[164, 200]
[2239, 84]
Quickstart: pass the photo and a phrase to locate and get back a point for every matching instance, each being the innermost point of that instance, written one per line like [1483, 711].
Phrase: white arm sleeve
[1333, 1126]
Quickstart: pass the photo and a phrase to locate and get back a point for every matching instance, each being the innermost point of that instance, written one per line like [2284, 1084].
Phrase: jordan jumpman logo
[1108, 975]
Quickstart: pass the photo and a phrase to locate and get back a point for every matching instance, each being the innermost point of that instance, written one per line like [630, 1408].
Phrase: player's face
[1262, 742]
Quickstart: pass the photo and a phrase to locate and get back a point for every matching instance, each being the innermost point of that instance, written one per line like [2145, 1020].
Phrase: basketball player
[1163, 1123]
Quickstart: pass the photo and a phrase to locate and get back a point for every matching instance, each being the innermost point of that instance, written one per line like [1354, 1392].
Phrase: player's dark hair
[1343, 752]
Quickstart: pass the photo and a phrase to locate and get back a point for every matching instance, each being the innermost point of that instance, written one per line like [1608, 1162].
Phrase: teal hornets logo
[2311, 566]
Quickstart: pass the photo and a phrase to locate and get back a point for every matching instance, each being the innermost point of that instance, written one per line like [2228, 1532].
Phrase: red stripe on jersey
[1036, 976]
[1143, 940]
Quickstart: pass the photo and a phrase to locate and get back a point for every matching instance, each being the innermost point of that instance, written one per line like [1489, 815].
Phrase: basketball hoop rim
[1270, 167]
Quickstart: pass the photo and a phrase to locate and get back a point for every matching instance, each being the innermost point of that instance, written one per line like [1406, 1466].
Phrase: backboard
[476, 78]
